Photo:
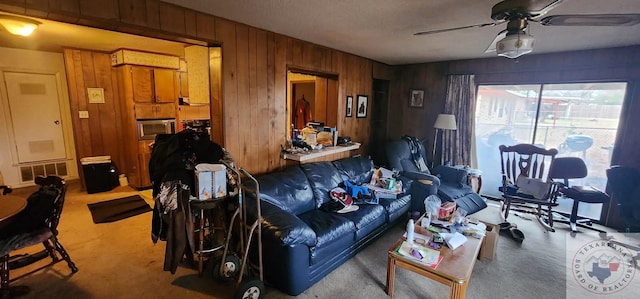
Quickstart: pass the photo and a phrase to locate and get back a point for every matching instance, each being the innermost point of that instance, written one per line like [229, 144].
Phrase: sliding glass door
[577, 119]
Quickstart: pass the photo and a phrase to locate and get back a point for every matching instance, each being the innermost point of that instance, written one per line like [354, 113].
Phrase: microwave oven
[149, 128]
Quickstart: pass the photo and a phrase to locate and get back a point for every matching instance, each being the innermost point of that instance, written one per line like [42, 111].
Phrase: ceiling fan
[515, 40]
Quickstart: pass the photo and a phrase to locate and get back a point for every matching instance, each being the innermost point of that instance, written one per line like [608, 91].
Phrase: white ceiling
[53, 36]
[383, 30]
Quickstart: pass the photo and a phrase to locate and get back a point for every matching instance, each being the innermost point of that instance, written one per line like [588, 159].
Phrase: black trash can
[100, 174]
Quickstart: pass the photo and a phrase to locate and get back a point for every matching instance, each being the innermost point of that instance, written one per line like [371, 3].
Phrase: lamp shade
[18, 25]
[446, 122]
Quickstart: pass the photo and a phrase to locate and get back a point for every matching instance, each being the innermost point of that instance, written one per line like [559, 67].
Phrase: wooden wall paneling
[153, 14]
[263, 112]
[382, 71]
[13, 6]
[216, 103]
[95, 114]
[110, 123]
[205, 26]
[64, 10]
[190, 25]
[133, 12]
[333, 109]
[320, 99]
[244, 101]
[108, 10]
[172, 18]
[336, 59]
[307, 57]
[226, 33]
[36, 8]
[277, 66]
[251, 109]
[72, 63]
[297, 56]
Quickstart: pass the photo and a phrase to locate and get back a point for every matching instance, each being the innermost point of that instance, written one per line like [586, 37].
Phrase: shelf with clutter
[316, 142]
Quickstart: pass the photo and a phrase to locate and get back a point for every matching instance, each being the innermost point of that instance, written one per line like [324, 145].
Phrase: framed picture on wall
[362, 106]
[416, 99]
[349, 106]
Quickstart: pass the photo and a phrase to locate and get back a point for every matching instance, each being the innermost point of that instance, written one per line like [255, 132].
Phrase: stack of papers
[420, 254]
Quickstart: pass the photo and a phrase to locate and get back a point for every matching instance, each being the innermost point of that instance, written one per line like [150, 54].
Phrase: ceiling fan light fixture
[515, 45]
[17, 25]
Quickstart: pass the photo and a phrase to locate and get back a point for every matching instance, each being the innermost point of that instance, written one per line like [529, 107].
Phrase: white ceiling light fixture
[18, 25]
[515, 45]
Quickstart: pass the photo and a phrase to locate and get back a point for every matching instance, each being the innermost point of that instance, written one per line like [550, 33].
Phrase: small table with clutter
[422, 251]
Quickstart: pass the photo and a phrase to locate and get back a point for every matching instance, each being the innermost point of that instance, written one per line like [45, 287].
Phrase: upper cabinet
[183, 84]
[153, 85]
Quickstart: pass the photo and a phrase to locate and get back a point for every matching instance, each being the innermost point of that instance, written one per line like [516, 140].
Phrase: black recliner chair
[624, 183]
[449, 183]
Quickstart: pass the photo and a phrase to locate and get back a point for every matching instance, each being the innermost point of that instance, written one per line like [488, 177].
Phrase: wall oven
[149, 128]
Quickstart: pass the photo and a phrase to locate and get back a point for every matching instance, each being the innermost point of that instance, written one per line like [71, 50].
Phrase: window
[577, 119]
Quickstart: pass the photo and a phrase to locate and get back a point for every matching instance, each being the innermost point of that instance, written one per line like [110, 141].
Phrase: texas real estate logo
[605, 268]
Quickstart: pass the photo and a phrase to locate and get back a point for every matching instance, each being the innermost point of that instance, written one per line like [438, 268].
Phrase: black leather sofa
[448, 182]
[301, 243]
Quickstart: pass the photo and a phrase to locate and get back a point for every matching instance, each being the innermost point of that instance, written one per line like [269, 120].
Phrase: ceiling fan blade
[544, 10]
[492, 47]
[591, 20]
[458, 28]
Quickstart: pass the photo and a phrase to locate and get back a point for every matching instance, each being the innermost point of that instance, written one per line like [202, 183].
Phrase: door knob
[57, 122]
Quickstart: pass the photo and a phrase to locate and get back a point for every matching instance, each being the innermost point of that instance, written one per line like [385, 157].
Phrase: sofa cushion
[288, 189]
[287, 228]
[322, 177]
[328, 226]
[366, 218]
[395, 207]
[357, 170]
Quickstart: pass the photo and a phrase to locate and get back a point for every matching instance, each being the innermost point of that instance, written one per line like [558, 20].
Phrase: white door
[35, 115]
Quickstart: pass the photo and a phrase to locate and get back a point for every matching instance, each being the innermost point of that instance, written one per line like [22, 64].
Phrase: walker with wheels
[248, 276]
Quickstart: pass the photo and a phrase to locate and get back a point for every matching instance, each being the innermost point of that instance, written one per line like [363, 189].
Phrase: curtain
[461, 102]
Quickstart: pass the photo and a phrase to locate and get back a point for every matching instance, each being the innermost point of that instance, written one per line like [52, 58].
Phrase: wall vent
[29, 172]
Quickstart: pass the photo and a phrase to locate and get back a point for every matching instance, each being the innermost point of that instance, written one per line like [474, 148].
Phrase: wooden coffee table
[454, 270]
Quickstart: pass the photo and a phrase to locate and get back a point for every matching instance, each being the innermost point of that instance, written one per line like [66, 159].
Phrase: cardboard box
[211, 180]
[490, 241]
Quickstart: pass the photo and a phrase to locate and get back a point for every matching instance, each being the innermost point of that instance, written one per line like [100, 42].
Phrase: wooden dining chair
[528, 164]
[46, 203]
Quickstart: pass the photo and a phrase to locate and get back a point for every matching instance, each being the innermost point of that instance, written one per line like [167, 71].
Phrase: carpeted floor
[118, 260]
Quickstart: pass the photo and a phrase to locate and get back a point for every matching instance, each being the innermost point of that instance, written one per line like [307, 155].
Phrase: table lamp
[443, 122]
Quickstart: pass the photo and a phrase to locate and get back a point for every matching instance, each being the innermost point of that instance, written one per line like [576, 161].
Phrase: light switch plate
[83, 114]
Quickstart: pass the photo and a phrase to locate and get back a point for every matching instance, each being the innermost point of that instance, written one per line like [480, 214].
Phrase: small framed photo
[416, 98]
[349, 106]
[362, 106]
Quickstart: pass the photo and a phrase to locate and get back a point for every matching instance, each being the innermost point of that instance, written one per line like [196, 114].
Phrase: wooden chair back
[526, 160]
[56, 188]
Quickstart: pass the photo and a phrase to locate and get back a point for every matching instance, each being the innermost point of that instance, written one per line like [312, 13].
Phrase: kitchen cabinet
[183, 84]
[154, 111]
[194, 112]
[153, 85]
[144, 155]
[145, 93]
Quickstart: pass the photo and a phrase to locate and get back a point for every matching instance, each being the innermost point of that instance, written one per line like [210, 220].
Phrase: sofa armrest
[451, 174]
[418, 176]
[280, 225]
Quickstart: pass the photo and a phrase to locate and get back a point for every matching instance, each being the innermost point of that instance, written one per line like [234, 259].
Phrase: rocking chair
[36, 224]
[524, 168]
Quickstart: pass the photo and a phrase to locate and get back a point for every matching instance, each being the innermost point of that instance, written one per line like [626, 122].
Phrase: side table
[473, 174]
[205, 210]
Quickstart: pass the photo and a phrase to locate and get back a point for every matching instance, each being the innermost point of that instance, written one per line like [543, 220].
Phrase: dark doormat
[118, 209]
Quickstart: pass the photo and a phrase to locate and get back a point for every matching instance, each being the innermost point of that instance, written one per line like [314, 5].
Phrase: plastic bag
[432, 205]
